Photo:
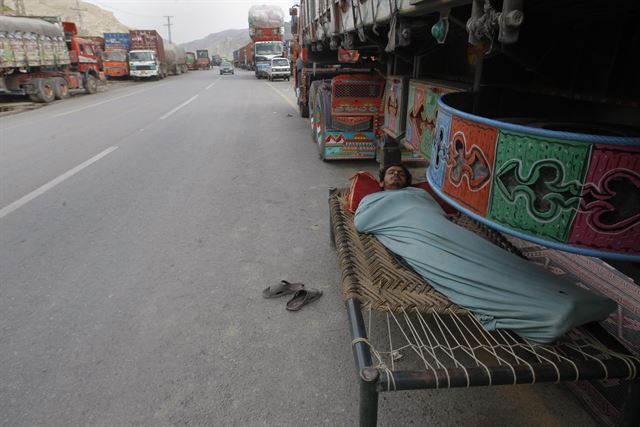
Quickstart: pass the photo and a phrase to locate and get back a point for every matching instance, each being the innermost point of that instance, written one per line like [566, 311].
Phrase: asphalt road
[138, 227]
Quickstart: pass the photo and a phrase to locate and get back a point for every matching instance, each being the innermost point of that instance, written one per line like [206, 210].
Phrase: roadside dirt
[10, 104]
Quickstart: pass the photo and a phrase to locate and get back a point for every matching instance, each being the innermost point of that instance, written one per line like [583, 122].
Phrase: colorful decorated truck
[45, 59]
[345, 115]
[266, 29]
[529, 124]
[116, 54]
[191, 60]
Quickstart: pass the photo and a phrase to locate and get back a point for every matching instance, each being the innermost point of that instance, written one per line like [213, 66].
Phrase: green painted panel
[537, 184]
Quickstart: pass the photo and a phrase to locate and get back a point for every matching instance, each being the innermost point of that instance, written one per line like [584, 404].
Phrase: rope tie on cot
[380, 364]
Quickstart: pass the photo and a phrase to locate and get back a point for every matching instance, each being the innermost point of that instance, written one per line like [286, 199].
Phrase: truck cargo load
[44, 59]
[266, 16]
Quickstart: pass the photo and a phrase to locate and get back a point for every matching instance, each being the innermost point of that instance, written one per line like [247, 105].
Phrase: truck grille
[143, 67]
[350, 124]
[357, 90]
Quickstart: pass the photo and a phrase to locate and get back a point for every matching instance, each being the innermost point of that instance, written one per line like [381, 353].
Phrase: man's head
[395, 177]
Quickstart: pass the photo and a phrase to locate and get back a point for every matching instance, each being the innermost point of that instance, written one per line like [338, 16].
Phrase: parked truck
[510, 47]
[115, 58]
[266, 29]
[45, 59]
[147, 57]
[203, 61]
[176, 58]
[246, 58]
[191, 60]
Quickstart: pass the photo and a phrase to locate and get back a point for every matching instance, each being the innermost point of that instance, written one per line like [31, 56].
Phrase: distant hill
[223, 43]
[95, 20]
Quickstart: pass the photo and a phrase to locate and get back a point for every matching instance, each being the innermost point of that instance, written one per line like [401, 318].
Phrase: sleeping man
[502, 290]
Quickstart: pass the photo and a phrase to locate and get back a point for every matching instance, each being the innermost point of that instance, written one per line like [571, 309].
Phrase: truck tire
[44, 91]
[90, 84]
[60, 88]
[304, 110]
[323, 107]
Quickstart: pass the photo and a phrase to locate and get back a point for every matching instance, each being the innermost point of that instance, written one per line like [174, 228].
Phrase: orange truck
[116, 54]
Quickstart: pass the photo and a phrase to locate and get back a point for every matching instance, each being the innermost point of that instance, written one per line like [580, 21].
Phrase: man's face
[394, 178]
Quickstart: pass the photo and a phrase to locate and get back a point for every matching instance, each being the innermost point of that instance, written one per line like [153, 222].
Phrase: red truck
[45, 59]
[203, 61]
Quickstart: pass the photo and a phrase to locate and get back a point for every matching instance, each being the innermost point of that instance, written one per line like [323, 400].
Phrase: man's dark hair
[383, 172]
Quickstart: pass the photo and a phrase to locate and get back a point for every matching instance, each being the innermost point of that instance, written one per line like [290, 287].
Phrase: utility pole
[168, 25]
[79, 9]
[20, 10]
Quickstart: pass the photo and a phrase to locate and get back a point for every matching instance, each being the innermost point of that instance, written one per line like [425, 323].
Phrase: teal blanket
[503, 290]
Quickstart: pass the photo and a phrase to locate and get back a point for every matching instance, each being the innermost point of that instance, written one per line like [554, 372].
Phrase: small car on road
[278, 68]
[226, 68]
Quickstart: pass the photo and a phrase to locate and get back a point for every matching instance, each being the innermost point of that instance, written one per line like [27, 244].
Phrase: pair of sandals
[301, 295]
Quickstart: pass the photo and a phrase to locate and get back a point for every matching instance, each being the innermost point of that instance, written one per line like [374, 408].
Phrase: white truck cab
[278, 68]
[144, 64]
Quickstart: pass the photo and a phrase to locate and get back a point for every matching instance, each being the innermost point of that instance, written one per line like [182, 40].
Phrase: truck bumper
[280, 75]
[143, 73]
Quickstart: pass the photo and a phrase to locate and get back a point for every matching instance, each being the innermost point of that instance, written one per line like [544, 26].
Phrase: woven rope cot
[423, 340]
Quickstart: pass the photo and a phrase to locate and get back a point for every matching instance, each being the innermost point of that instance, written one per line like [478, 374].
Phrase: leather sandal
[302, 298]
[281, 289]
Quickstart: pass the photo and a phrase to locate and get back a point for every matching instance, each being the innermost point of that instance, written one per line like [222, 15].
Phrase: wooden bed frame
[448, 346]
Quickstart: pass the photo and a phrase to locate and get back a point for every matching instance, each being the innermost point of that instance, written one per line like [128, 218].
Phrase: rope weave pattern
[412, 327]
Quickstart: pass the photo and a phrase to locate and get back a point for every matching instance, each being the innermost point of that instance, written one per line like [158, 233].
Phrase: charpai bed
[424, 341]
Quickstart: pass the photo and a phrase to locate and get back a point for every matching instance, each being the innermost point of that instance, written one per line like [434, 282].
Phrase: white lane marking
[211, 85]
[108, 100]
[190, 100]
[286, 98]
[49, 185]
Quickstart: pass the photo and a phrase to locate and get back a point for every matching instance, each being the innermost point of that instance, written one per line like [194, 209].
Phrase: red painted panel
[609, 214]
[469, 171]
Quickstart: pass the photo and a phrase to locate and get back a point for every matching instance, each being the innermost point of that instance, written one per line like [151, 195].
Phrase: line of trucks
[373, 71]
[266, 29]
[45, 59]
[526, 113]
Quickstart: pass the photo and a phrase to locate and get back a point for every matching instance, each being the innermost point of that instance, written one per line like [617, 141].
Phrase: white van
[278, 68]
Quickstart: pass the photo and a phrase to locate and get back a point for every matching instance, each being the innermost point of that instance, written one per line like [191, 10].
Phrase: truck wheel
[90, 84]
[44, 90]
[60, 88]
[304, 110]
[323, 106]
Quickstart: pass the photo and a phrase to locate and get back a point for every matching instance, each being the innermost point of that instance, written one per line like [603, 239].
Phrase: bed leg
[368, 397]
[630, 414]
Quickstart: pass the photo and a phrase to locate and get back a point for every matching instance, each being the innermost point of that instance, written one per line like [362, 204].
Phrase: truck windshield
[280, 63]
[114, 56]
[141, 56]
[269, 48]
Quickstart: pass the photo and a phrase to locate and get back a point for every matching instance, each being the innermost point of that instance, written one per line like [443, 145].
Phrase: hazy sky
[192, 19]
